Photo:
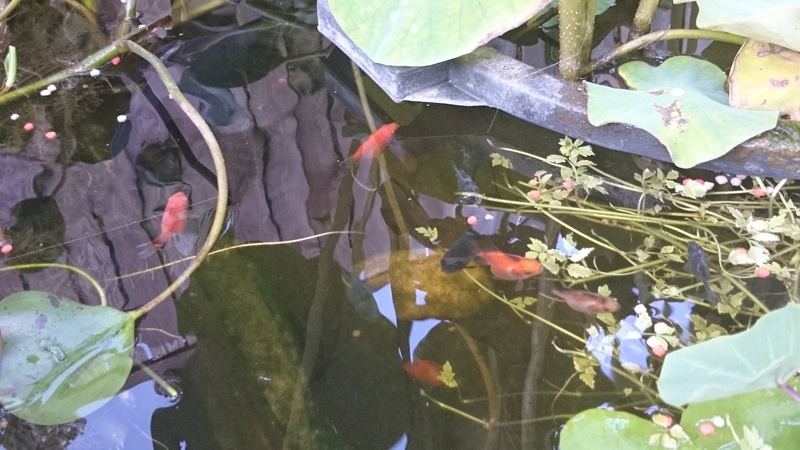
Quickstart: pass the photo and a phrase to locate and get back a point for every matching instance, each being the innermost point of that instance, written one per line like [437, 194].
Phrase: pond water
[323, 317]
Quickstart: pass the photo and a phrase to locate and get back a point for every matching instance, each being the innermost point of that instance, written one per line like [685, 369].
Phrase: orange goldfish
[173, 222]
[424, 371]
[506, 266]
[374, 144]
[587, 302]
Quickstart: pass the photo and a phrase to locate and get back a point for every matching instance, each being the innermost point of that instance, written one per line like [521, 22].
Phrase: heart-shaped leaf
[772, 21]
[762, 357]
[61, 359]
[423, 32]
[683, 104]
[617, 430]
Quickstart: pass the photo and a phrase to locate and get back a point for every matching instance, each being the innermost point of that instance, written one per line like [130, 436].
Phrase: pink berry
[51, 135]
[28, 126]
[472, 220]
[6, 249]
[758, 191]
[568, 184]
[535, 195]
[706, 428]
[116, 60]
[762, 272]
[659, 351]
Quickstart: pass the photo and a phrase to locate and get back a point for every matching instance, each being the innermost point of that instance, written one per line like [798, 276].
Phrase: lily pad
[617, 430]
[423, 32]
[772, 21]
[772, 413]
[683, 104]
[61, 359]
[762, 357]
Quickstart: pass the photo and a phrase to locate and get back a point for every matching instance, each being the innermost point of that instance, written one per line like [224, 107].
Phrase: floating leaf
[614, 429]
[766, 354]
[421, 32]
[447, 376]
[61, 359]
[770, 411]
[766, 20]
[683, 104]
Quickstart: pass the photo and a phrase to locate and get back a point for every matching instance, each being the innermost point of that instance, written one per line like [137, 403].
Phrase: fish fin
[463, 251]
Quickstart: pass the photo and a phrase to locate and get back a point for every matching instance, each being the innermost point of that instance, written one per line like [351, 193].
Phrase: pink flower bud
[758, 191]
[568, 184]
[28, 126]
[472, 220]
[762, 272]
[535, 195]
[706, 428]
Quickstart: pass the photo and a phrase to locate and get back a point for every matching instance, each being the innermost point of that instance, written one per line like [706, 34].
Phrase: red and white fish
[587, 302]
[424, 371]
[374, 144]
[173, 222]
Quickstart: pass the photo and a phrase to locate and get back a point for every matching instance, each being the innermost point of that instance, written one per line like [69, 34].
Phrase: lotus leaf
[423, 32]
[683, 104]
[614, 429]
[762, 357]
[772, 21]
[61, 359]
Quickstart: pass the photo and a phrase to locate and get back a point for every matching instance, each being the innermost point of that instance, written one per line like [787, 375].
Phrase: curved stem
[648, 39]
[80, 272]
[219, 166]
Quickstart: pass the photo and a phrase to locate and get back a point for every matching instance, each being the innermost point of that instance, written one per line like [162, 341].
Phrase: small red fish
[424, 371]
[374, 144]
[587, 302]
[173, 222]
[506, 266]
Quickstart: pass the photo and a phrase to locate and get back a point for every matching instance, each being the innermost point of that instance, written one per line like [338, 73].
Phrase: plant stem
[219, 166]
[648, 39]
[643, 18]
[80, 272]
[575, 31]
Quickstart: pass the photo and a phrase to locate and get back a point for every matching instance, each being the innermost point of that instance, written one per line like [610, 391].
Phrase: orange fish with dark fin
[587, 302]
[506, 266]
[374, 144]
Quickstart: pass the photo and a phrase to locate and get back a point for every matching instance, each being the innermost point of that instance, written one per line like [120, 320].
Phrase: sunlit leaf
[684, 105]
[579, 271]
[601, 428]
[766, 354]
[421, 32]
[766, 20]
[447, 375]
[61, 359]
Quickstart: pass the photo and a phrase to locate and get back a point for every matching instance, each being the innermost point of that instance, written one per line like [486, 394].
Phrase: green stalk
[219, 166]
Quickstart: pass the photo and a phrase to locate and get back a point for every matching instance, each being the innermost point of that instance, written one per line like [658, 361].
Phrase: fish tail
[463, 251]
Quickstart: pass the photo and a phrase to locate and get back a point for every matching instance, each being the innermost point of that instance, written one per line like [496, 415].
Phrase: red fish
[374, 144]
[587, 302]
[424, 371]
[173, 222]
[506, 266]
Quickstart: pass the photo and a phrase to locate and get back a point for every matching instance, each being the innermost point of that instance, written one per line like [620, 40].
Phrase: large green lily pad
[772, 21]
[762, 357]
[424, 32]
[683, 104]
[61, 359]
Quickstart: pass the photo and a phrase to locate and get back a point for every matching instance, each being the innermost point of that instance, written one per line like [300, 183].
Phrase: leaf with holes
[683, 104]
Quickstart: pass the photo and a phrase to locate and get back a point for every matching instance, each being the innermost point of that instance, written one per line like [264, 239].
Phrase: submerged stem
[219, 166]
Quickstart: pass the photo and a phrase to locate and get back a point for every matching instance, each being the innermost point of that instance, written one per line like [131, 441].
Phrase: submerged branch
[219, 166]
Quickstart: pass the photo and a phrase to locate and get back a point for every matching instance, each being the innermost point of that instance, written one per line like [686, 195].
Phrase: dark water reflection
[274, 345]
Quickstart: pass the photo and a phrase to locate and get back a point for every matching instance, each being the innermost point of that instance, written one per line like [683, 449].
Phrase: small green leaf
[447, 375]
[500, 160]
[430, 232]
[579, 271]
